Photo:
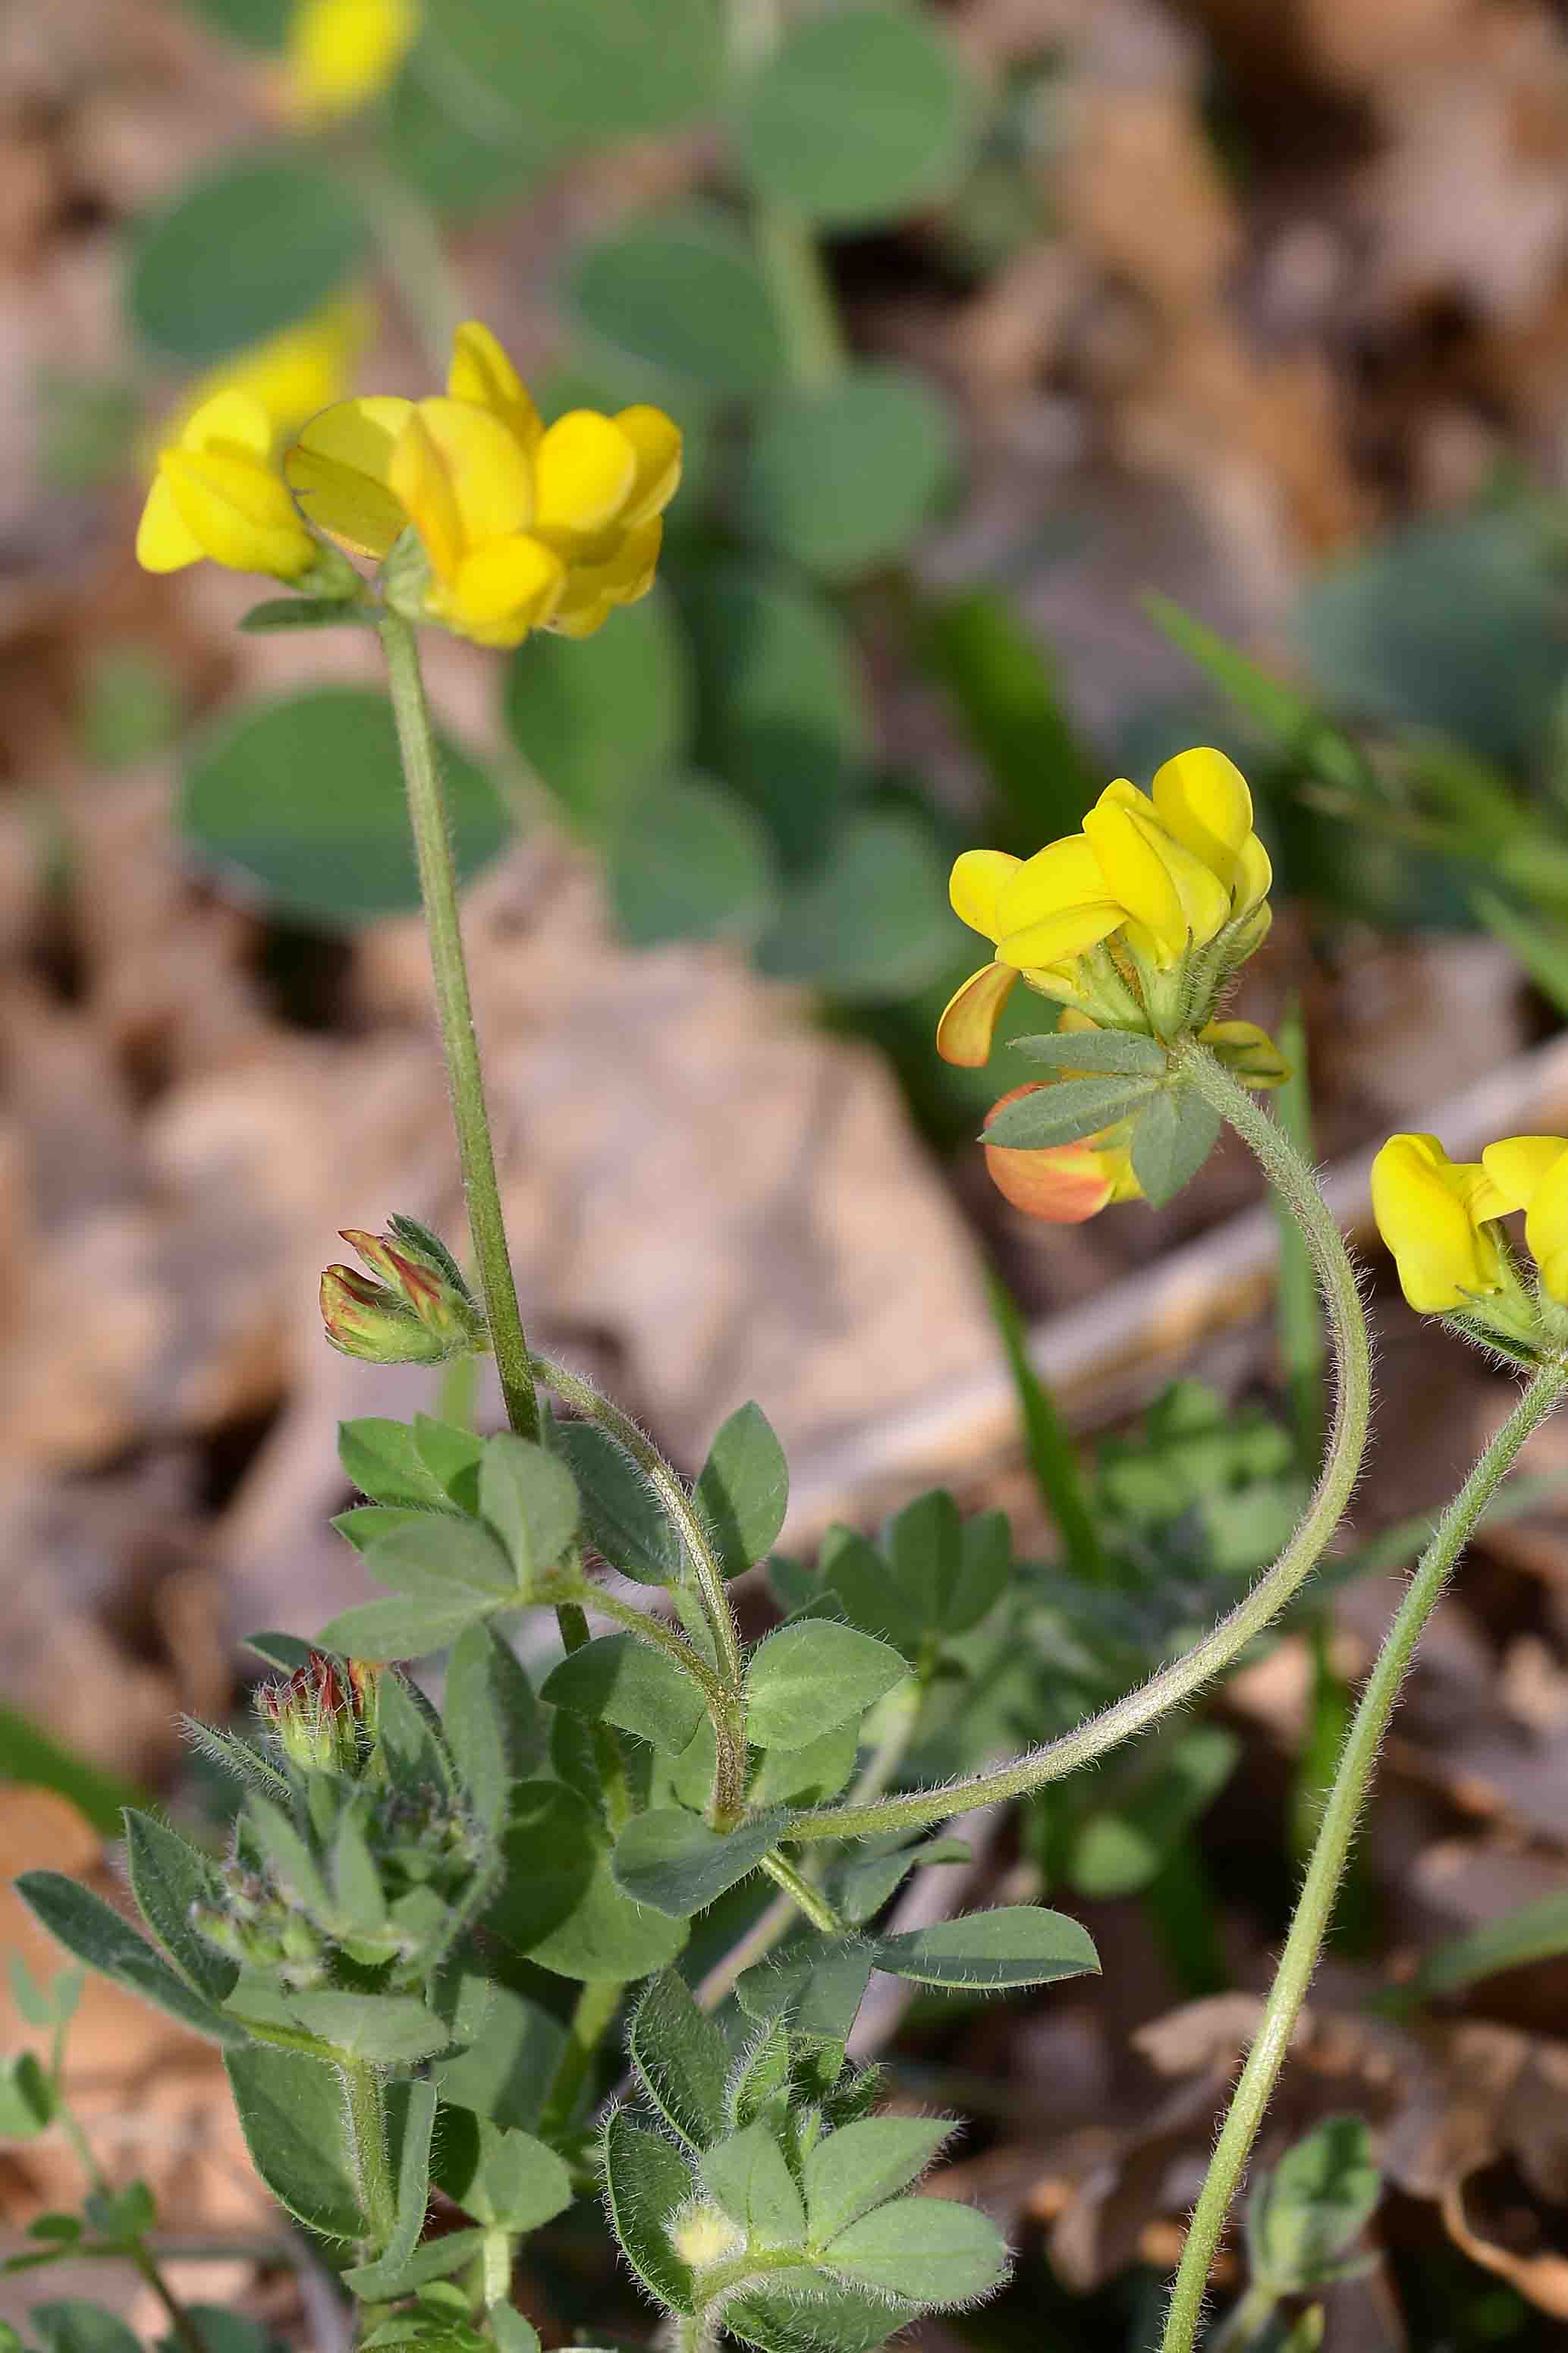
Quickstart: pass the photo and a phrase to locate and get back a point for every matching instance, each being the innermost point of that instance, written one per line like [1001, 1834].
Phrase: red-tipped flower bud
[324, 1716]
[421, 1311]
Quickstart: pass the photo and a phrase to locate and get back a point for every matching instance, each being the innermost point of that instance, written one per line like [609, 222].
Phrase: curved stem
[438, 889]
[1320, 1885]
[567, 1593]
[1294, 1180]
[803, 1896]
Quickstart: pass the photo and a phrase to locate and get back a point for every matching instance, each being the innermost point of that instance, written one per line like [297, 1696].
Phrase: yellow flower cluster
[218, 494]
[522, 526]
[1112, 920]
[1440, 1218]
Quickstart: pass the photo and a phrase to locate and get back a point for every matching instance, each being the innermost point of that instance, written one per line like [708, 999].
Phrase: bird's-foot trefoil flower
[420, 1313]
[486, 521]
[218, 494]
[1063, 1184]
[1137, 920]
[339, 55]
[1442, 1220]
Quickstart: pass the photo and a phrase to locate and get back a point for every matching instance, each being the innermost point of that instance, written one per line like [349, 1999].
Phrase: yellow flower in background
[342, 53]
[1164, 875]
[524, 526]
[1530, 1173]
[1435, 1215]
[217, 494]
[294, 374]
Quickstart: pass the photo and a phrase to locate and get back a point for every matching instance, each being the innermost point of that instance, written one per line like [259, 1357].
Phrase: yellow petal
[1546, 1228]
[296, 373]
[510, 584]
[975, 886]
[656, 441]
[593, 591]
[164, 542]
[1202, 799]
[1159, 881]
[1249, 1052]
[231, 419]
[964, 1032]
[587, 470]
[343, 52]
[1056, 939]
[1064, 875]
[1517, 1166]
[485, 466]
[482, 373]
[238, 512]
[339, 472]
[422, 483]
[1421, 1201]
[1254, 876]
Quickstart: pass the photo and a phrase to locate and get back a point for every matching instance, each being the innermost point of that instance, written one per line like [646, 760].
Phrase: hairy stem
[591, 2021]
[1292, 1177]
[367, 2139]
[1341, 1813]
[803, 1896]
[438, 889]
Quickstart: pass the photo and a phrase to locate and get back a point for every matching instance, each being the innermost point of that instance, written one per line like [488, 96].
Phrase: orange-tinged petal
[965, 1032]
[340, 470]
[1064, 1184]
[485, 466]
[1201, 796]
[975, 886]
[1518, 1165]
[585, 469]
[656, 439]
[165, 541]
[482, 373]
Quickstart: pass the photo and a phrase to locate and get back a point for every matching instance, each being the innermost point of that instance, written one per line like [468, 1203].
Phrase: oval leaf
[241, 252]
[807, 1678]
[1017, 1945]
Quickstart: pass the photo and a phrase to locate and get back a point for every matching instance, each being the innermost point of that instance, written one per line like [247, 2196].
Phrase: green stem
[802, 298]
[438, 889]
[1176, 1682]
[1341, 1814]
[567, 1594]
[412, 254]
[367, 2139]
[591, 2020]
[803, 1896]
[136, 2251]
[608, 1760]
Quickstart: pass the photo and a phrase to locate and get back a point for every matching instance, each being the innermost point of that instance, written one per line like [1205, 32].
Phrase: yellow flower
[1170, 873]
[1530, 1173]
[296, 373]
[217, 494]
[1435, 1214]
[524, 527]
[342, 53]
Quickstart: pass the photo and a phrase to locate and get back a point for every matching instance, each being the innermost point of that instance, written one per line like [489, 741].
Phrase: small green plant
[1303, 2221]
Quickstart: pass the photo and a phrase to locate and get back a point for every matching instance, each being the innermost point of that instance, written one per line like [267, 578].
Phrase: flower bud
[421, 1312]
[1063, 1184]
[324, 1715]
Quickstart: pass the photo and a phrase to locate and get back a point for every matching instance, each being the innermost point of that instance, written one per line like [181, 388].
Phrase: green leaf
[1539, 945]
[51, 2005]
[460, 159]
[362, 1525]
[514, 2047]
[821, 2319]
[168, 1878]
[34, 1759]
[85, 1925]
[1306, 2216]
[529, 1500]
[435, 2259]
[371, 2282]
[301, 800]
[681, 2059]
[26, 2097]
[452, 1456]
[563, 73]
[803, 1777]
[602, 717]
[442, 1557]
[742, 1491]
[1173, 1135]
[1280, 710]
[403, 1625]
[931, 2249]
[846, 477]
[241, 251]
[74, 2326]
[689, 862]
[1535, 1932]
[511, 2332]
[1065, 1111]
[622, 1517]
[682, 291]
[671, 1860]
[615, 1679]
[291, 2113]
[384, 1463]
[559, 1903]
[122, 2215]
[391, 2030]
[494, 1723]
[507, 2180]
[303, 612]
[872, 920]
[260, 23]
[804, 1678]
[863, 1883]
[860, 115]
[861, 2165]
[1018, 1944]
[785, 718]
[1131, 1833]
[818, 1986]
[1118, 1051]
[647, 2184]
[747, 2176]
